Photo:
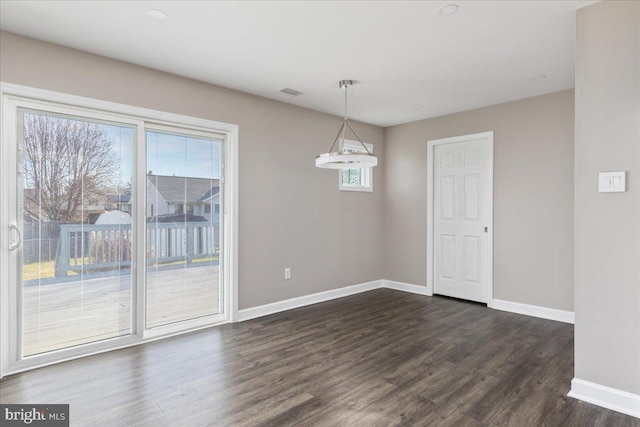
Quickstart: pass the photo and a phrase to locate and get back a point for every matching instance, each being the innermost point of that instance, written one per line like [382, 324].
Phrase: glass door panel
[183, 227]
[74, 207]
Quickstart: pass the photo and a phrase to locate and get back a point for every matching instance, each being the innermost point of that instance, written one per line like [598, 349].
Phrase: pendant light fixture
[342, 159]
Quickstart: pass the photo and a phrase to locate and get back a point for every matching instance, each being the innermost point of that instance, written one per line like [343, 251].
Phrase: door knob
[486, 229]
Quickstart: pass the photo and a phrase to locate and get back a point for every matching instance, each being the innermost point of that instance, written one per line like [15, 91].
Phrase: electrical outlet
[287, 273]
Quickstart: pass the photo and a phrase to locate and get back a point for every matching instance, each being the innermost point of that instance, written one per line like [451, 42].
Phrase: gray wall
[533, 196]
[291, 213]
[607, 225]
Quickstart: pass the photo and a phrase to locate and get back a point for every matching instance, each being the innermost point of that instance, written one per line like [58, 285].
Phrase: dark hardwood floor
[375, 359]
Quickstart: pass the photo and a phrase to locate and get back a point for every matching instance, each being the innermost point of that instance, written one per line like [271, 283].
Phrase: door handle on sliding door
[15, 244]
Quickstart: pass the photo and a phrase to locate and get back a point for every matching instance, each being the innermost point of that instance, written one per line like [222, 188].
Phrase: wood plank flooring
[375, 359]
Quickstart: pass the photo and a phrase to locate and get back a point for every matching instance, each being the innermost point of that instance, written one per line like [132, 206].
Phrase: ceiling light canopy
[342, 159]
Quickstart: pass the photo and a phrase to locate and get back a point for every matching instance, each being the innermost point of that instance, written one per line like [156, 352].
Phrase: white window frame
[13, 96]
[367, 173]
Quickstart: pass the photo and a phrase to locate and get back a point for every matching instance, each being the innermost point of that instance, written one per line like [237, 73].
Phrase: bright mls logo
[34, 415]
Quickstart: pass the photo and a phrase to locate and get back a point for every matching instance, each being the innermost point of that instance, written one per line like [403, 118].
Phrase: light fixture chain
[357, 137]
[337, 136]
[344, 135]
[346, 89]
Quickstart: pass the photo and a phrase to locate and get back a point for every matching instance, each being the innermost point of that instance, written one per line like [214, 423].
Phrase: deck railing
[94, 248]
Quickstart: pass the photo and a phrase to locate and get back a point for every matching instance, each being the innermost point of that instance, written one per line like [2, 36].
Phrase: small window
[179, 209]
[356, 179]
[217, 208]
[207, 208]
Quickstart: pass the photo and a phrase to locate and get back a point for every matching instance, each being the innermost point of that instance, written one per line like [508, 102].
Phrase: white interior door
[462, 217]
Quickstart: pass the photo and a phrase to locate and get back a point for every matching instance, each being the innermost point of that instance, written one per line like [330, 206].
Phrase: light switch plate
[612, 182]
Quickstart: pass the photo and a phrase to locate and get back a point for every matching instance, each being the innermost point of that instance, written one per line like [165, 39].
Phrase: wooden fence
[39, 241]
[93, 248]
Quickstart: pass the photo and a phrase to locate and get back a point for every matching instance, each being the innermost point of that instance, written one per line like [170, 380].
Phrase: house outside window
[356, 179]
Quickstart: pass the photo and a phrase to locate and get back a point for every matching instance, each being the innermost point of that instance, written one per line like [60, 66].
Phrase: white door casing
[14, 96]
[460, 218]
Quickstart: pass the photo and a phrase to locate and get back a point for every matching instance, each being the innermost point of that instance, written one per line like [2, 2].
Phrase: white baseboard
[533, 310]
[406, 287]
[607, 397]
[277, 307]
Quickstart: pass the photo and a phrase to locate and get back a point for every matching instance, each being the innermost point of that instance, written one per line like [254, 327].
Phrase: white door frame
[488, 263]
[50, 99]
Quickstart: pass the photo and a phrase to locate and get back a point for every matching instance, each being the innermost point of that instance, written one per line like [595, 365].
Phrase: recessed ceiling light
[448, 10]
[539, 77]
[156, 14]
[417, 106]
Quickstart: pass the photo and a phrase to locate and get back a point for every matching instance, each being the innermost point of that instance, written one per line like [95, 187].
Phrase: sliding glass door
[74, 204]
[183, 224]
[115, 230]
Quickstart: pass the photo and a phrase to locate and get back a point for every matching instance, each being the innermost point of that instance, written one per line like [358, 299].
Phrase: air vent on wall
[290, 91]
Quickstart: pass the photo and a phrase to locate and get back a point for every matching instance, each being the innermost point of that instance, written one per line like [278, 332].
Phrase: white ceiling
[409, 62]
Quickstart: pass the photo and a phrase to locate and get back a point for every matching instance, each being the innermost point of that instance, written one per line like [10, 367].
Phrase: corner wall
[291, 214]
[607, 225]
[533, 196]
